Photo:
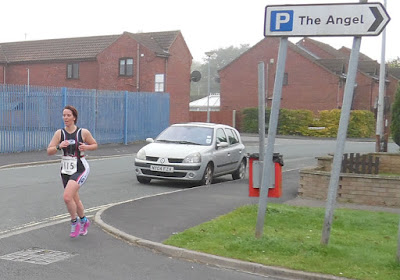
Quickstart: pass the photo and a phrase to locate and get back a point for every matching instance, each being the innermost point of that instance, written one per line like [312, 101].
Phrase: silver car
[192, 152]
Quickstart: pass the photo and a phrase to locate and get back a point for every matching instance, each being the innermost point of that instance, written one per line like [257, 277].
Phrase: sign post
[362, 19]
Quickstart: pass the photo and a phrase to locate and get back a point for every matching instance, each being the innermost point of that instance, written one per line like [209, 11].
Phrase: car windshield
[187, 135]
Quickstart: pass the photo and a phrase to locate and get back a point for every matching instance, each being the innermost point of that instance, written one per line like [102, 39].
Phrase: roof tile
[82, 48]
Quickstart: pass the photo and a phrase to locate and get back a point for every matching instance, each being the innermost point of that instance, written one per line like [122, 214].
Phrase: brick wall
[377, 190]
[52, 74]
[178, 83]
[309, 85]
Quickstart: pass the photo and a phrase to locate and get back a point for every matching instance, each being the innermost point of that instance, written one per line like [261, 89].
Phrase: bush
[362, 124]
[294, 122]
[395, 125]
[297, 122]
[250, 120]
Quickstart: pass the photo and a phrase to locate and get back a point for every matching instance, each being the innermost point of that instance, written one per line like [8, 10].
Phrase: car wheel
[143, 180]
[240, 173]
[208, 175]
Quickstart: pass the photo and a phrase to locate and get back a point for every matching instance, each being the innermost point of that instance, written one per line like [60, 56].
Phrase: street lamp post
[209, 55]
[271, 62]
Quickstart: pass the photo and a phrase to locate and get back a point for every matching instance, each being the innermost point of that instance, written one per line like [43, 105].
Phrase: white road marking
[62, 218]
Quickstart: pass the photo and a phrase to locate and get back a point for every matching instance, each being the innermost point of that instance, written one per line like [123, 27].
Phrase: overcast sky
[205, 24]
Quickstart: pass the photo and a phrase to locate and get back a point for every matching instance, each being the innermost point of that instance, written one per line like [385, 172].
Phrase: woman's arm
[52, 148]
[91, 143]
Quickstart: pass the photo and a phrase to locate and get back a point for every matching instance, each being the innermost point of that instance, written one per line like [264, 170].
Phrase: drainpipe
[165, 75]
[138, 68]
[371, 93]
[337, 94]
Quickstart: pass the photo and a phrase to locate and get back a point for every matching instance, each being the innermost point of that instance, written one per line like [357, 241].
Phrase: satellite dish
[195, 76]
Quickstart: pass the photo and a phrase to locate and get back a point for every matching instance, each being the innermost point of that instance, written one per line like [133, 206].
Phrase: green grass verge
[363, 244]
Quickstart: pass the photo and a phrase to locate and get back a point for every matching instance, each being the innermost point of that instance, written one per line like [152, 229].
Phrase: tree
[222, 57]
[395, 63]
[395, 125]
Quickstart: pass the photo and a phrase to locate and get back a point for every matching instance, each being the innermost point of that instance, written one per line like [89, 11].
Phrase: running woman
[73, 142]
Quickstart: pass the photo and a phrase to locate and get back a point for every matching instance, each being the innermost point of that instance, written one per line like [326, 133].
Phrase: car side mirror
[150, 140]
[222, 145]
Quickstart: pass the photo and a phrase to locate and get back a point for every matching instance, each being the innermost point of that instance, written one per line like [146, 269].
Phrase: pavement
[159, 216]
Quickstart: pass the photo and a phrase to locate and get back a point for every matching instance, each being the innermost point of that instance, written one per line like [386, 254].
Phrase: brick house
[315, 75]
[367, 76]
[135, 62]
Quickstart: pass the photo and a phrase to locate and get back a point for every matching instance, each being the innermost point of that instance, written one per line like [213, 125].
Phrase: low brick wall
[376, 190]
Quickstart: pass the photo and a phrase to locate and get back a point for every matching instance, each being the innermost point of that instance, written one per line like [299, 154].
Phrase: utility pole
[380, 131]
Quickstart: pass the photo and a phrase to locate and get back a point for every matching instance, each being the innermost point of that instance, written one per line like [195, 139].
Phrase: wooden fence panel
[360, 164]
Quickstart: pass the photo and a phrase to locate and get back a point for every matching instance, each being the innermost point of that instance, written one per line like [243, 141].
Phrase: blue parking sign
[281, 20]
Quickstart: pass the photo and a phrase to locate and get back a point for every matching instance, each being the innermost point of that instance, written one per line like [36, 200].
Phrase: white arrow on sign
[347, 19]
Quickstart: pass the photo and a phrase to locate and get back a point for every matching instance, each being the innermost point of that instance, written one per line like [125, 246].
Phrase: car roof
[202, 124]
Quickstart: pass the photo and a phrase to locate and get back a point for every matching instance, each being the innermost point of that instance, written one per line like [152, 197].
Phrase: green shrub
[395, 125]
[250, 120]
[329, 120]
[297, 122]
[294, 122]
[362, 124]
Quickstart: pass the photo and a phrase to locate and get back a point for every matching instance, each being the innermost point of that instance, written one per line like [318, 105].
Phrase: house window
[73, 71]
[126, 67]
[285, 79]
[159, 83]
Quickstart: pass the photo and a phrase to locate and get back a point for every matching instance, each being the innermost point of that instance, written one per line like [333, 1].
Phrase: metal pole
[379, 147]
[268, 167]
[28, 79]
[270, 62]
[25, 110]
[398, 245]
[266, 87]
[261, 114]
[208, 92]
[341, 139]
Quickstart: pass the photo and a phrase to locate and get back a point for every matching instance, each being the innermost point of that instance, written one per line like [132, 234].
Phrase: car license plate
[162, 168]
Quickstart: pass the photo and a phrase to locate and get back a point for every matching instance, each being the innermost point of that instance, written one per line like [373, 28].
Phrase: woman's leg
[70, 194]
[80, 210]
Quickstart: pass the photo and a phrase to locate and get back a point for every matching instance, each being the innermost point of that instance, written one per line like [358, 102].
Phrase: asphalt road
[35, 224]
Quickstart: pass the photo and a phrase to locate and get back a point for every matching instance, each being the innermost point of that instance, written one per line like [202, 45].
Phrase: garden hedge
[305, 123]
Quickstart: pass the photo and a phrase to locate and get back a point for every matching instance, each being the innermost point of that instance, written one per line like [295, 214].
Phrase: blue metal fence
[29, 115]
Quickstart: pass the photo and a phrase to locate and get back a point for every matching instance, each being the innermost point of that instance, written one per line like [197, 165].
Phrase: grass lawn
[362, 245]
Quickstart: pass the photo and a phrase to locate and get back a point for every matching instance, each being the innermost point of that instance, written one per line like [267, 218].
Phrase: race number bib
[69, 165]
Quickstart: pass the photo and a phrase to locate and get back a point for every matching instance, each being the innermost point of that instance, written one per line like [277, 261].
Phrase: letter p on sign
[281, 20]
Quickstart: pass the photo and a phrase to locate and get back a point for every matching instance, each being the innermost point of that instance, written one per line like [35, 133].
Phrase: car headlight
[141, 154]
[193, 158]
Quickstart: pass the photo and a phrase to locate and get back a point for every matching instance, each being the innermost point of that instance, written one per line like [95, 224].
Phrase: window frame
[159, 86]
[231, 134]
[218, 141]
[123, 72]
[72, 71]
[285, 79]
